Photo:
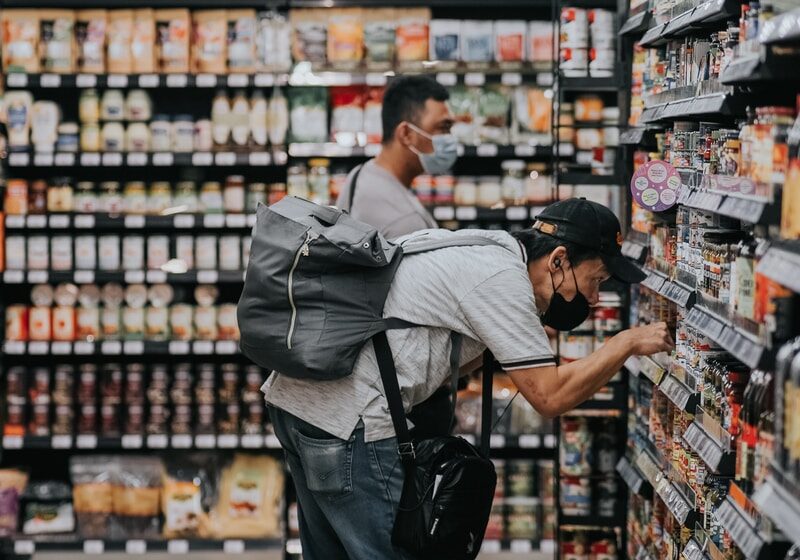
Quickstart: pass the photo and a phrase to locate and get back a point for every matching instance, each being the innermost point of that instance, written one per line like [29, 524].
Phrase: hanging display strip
[693, 551]
[636, 24]
[680, 395]
[714, 453]
[783, 28]
[780, 503]
[634, 479]
[742, 529]
[781, 263]
[677, 504]
[649, 468]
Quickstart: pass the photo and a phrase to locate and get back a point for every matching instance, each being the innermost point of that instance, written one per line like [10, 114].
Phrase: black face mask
[565, 315]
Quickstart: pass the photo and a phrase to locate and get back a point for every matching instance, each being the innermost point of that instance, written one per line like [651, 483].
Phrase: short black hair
[538, 245]
[405, 98]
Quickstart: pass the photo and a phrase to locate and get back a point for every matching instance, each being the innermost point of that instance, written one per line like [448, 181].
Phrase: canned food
[133, 252]
[85, 252]
[38, 254]
[40, 325]
[228, 325]
[133, 322]
[108, 249]
[205, 322]
[601, 62]
[157, 323]
[88, 320]
[184, 250]
[181, 321]
[61, 252]
[574, 28]
[574, 62]
[229, 253]
[157, 251]
[64, 323]
[206, 252]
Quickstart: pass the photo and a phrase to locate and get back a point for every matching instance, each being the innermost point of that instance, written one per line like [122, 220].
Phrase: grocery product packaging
[173, 30]
[411, 36]
[273, 42]
[210, 40]
[136, 489]
[541, 41]
[242, 32]
[463, 104]
[56, 39]
[18, 105]
[48, 509]
[92, 493]
[20, 40]
[493, 113]
[143, 43]
[12, 484]
[532, 116]
[119, 59]
[90, 37]
[373, 125]
[308, 114]
[309, 36]
[477, 41]
[379, 37]
[509, 41]
[345, 37]
[189, 492]
[347, 114]
[278, 118]
[445, 41]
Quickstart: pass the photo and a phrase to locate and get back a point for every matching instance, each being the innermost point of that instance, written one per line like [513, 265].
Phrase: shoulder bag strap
[486, 403]
[353, 185]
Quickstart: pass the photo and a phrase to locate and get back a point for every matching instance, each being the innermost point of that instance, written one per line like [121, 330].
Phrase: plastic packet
[189, 492]
[308, 114]
[463, 104]
[136, 487]
[92, 493]
[493, 110]
[48, 509]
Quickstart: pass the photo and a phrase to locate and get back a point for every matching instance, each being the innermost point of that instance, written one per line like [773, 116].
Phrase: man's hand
[650, 339]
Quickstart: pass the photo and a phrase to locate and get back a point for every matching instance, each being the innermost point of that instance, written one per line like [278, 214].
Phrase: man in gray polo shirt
[338, 435]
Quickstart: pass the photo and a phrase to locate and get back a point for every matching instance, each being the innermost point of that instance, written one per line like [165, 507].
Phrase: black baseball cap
[590, 225]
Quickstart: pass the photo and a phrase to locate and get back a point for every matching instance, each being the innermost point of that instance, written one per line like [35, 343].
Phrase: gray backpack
[316, 286]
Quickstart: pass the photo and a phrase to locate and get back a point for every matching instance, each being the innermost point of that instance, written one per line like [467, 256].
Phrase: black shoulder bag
[449, 485]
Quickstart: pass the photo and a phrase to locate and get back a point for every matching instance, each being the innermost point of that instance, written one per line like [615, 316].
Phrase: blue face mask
[444, 155]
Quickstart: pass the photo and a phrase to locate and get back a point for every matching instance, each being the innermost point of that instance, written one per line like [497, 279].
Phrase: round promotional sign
[655, 186]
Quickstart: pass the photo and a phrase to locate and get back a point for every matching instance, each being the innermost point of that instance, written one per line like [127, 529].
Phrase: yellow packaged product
[120, 33]
[20, 40]
[90, 36]
[412, 34]
[209, 41]
[173, 30]
[143, 45]
[345, 37]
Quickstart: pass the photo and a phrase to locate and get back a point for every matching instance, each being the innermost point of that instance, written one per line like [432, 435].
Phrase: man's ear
[402, 134]
[558, 259]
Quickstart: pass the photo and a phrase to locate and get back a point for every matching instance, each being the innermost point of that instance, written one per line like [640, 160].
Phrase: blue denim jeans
[348, 491]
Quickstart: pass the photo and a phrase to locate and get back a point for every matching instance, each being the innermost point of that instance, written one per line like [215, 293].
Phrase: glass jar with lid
[233, 197]
[159, 197]
[211, 198]
[183, 134]
[466, 191]
[59, 195]
[135, 197]
[68, 137]
[110, 197]
[538, 185]
[85, 199]
[186, 197]
[113, 137]
[138, 106]
[90, 138]
[137, 137]
[89, 107]
[37, 197]
[490, 192]
[513, 182]
[297, 181]
[256, 193]
[319, 179]
[160, 134]
[112, 107]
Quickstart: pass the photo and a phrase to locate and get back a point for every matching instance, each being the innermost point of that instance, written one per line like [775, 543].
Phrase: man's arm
[554, 390]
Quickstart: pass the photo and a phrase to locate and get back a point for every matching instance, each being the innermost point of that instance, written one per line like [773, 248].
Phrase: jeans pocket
[327, 464]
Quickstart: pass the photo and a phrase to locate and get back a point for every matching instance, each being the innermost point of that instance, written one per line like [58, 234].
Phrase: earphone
[557, 263]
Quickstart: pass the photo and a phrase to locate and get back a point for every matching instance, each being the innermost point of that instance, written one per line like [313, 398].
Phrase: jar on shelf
[59, 195]
[233, 196]
[112, 137]
[137, 137]
[110, 197]
[186, 197]
[444, 187]
[256, 193]
[423, 188]
[183, 134]
[85, 198]
[138, 106]
[211, 198]
[135, 197]
[112, 107]
[68, 137]
[90, 138]
[297, 181]
[319, 179]
[538, 184]
[490, 191]
[160, 134]
[89, 107]
[466, 191]
[159, 198]
[37, 197]
[513, 182]
[277, 191]
[203, 138]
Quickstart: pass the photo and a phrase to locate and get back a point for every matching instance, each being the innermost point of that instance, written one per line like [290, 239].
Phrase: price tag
[83, 348]
[252, 441]
[177, 80]
[227, 441]
[17, 79]
[24, 548]
[280, 157]
[524, 151]
[14, 277]
[511, 78]
[12, 442]
[148, 81]
[37, 277]
[550, 441]
[135, 547]
[225, 158]
[376, 79]
[272, 442]
[132, 441]
[490, 547]
[517, 213]
[163, 159]
[134, 276]
[86, 80]
[497, 441]
[61, 442]
[111, 348]
[444, 213]
[264, 80]
[61, 348]
[547, 546]
[86, 441]
[203, 347]
[238, 80]
[65, 159]
[487, 150]
[530, 441]
[157, 441]
[177, 547]
[202, 158]
[184, 221]
[466, 213]
[134, 222]
[133, 348]
[207, 276]
[18, 159]
[59, 221]
[93, 547]
[182, 441]
[251, 220]
[137, 159]
[15, 222]
[38, 348]
[84, 221]
[43, 160]
[205, 441]
[519, 546]
[226, 347]
[90, 159]
[474, 78]
[260, 158]
[178, 347]
[156, 277]
[37, 221]
[14, 348]
[236, 220]
[545, 80]
[233, 547]
[214, 221]
[205, 80]
[117, 81]
[447, 79]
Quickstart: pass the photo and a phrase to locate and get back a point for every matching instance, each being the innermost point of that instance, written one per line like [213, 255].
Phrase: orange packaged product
[345, 37]
[173, 29]
[120, 34]
[790, 205]
[20, 40]
[143, 42]
[64, 323]
[16, 202]
[209, 41]
[17, 323]
[40, 323]
[412, 34]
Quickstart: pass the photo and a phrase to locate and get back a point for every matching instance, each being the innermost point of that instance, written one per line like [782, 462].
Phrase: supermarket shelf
[693, 551]
[574, 178]
[781, 263]
[743, 530]
[648, 466]
[681, 396]
[120, 222]
[139, 441]
[530, 4]
[636, 482]
[712, 105]
[689, 21]
[779, 500]
[678, 505]
[23, 547]
[590, 84]
[517, 442]
[763, 67]
[713, 451]
[636, 25]
[742, 345]
[634, 250]
[673, 290]
[739, 206]
[588, 523]
[474, 213]
[333, 150]
[122, 348]
[784, 28]
[127, 277]
[650, 369]
[143, 3]
[146, 159]
[637, 136]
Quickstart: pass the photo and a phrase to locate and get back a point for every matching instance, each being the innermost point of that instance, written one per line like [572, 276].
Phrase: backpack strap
[353, 185]
[456, 241]
[486, 403]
